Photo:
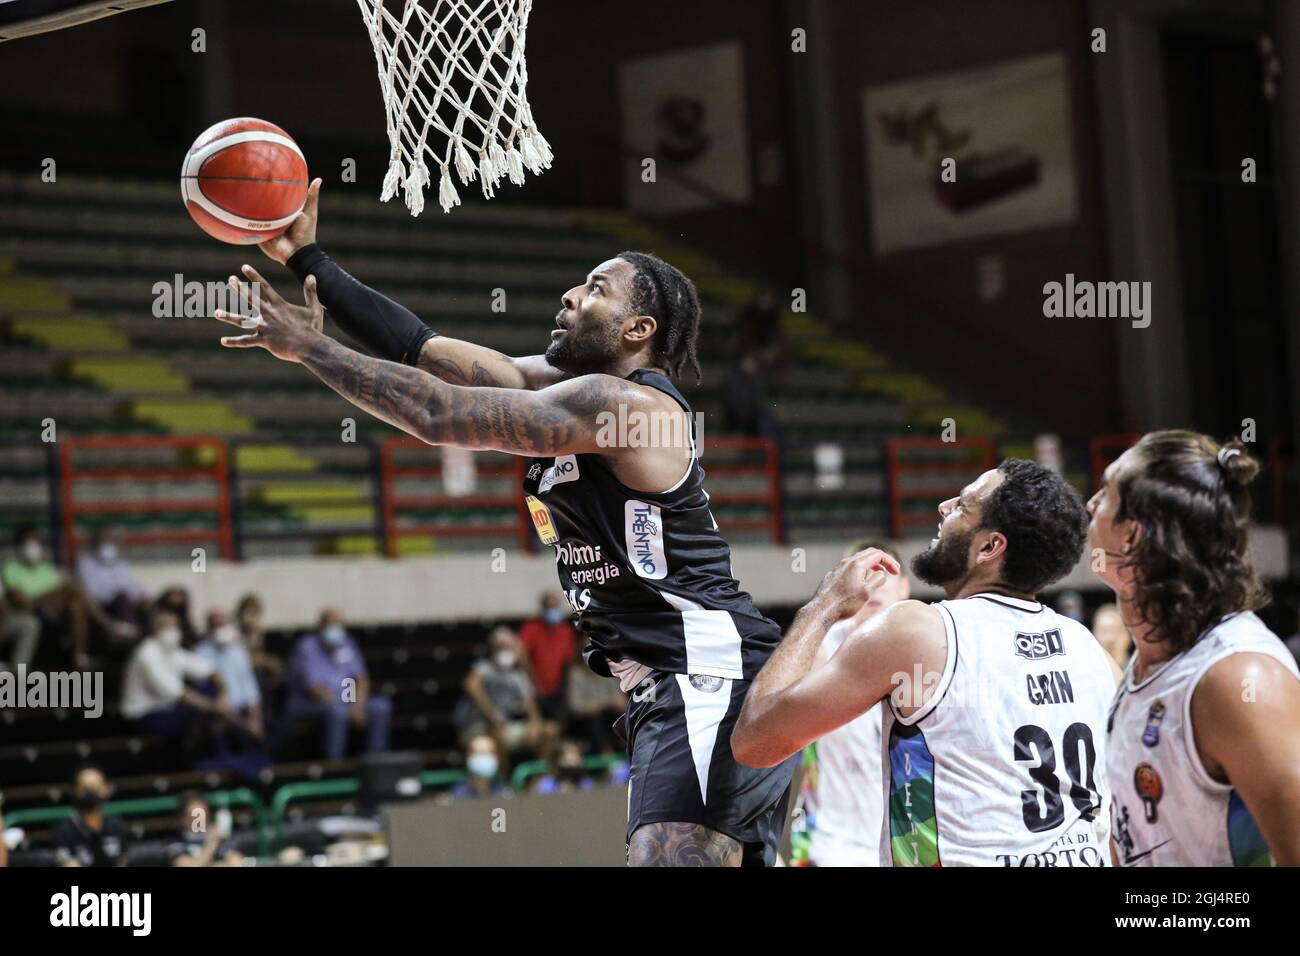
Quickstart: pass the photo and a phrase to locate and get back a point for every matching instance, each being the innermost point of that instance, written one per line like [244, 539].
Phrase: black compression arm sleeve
[387, 329]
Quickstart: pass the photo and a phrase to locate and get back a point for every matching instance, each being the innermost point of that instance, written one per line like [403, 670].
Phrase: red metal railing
[218, 472]
[390, 471]
[962, 461]
[1103, 449]
[770, 469]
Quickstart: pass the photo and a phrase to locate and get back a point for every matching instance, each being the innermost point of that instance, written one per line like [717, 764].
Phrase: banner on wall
[686, 110]
[1007, 126]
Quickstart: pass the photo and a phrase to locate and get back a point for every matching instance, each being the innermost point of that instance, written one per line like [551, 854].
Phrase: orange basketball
[244, 180]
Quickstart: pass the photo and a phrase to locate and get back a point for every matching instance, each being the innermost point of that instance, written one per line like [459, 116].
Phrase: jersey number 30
[1050, 812]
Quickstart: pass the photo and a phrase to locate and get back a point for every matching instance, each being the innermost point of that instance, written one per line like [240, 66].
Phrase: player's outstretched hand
[301, 232]
[285, 330]
[849, 585]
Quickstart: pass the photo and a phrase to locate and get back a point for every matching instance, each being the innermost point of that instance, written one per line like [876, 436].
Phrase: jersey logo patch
[644, 533]
[1037, 647]
[702, 682]
[542, 520]
[1149, 786]
[564, 469]
[1151, 735]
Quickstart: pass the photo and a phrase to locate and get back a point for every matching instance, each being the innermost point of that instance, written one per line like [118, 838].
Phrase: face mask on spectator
[505, 659]
[333, 634]
[170, 636]
[553, 615]
[32, 551]
[482, 765]
[108, 551]
[226, 634]
[89, 800]
[573, 773]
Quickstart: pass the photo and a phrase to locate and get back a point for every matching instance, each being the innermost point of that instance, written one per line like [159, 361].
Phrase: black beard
[579, 356]
[945, 562]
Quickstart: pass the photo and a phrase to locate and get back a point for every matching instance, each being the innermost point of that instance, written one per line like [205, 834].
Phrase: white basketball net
[454, 70]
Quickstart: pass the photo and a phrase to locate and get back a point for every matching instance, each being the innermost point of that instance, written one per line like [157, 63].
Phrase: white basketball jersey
[1167, 810]
[1004, 765]
[850, 810]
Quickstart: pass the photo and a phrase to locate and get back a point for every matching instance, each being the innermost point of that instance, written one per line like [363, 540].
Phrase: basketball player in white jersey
[1203, 753]
[842, 792]
[995, 705]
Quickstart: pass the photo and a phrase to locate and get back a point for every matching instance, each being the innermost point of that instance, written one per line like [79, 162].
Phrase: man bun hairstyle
[1043, 519]
[1191, 498]
[663, 292]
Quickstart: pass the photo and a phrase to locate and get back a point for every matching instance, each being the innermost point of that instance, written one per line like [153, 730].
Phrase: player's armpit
[1246, 723]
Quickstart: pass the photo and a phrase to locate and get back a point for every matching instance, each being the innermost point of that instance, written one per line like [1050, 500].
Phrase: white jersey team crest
[1167, 810]
[1005, 763]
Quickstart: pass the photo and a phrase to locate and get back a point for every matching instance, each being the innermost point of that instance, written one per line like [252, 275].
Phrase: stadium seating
[79, 261]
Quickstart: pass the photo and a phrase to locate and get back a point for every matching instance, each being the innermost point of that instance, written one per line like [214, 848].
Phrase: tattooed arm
[561, 419]
[464, 363]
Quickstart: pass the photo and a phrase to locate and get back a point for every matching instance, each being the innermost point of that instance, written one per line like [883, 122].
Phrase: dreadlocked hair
[662, 292]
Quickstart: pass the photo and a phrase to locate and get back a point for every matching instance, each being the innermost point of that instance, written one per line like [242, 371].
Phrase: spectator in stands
[20, 635]
[1070, 604]
[160, 688]
[224, 648]
[746, 407]
[549, 640]
[1108, 627]
[761, 322]
[328, 683]
[108, 579]
[500, 700]
[35, 585]
[267, 667]
[176, 601]
[593, 704]
[91, 837]
[566, 773]
[201, 841]
[483, 764]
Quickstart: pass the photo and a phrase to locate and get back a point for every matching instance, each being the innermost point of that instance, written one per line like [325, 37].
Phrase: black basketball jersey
[648, 575]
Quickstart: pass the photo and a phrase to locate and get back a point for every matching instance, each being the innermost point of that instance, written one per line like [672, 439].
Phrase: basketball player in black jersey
[613, 484]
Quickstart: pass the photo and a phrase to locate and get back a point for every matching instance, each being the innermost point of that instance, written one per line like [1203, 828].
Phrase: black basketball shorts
[678, 731]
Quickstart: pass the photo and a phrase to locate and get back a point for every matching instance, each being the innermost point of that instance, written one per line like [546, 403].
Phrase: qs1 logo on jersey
[542, 520]
[1151, 735]
[1037, 647]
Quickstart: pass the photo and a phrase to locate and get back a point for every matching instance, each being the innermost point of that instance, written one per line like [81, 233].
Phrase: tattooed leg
[681, 844]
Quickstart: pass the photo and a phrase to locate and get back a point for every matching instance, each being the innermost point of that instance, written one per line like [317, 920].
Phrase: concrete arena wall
[465, 587]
